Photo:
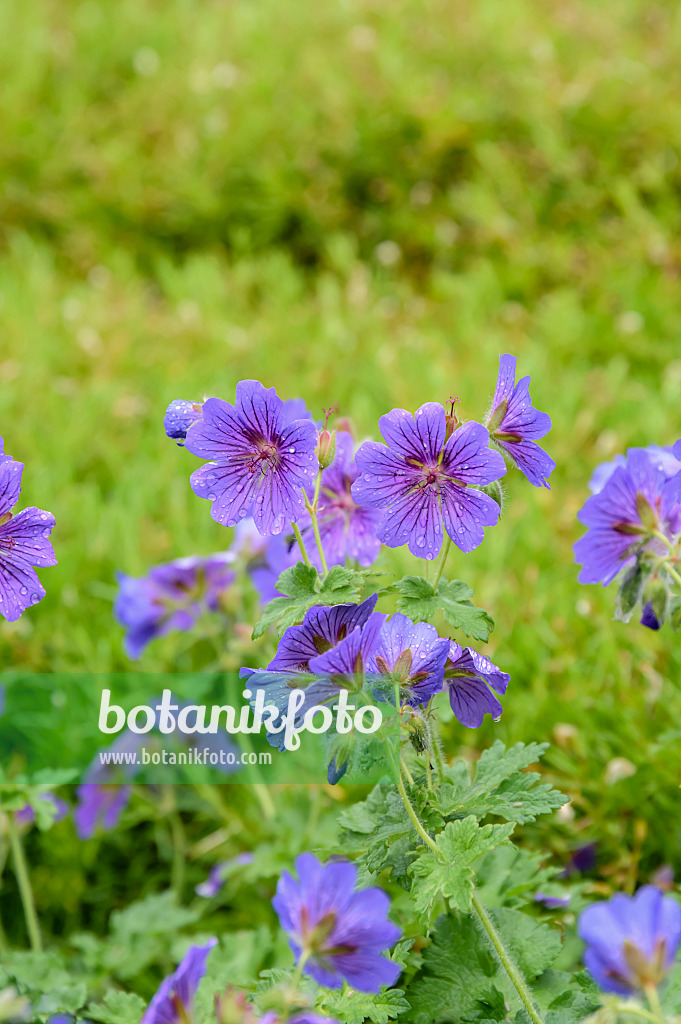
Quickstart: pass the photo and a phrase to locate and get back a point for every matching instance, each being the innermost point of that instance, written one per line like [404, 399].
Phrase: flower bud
[418, 735]
[326, 448]
[341, 749]
[656, 595]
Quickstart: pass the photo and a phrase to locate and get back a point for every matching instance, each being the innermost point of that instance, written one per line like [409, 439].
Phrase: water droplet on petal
[292, 450]
[24, 590]
[46, 533]
[211, 496]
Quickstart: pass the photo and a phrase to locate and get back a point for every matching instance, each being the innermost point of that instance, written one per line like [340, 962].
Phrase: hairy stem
[516, 978]
[301, 543]
[673, 573]
[24, 883]
[653, 999]
[519, 983]
[318, 540]
[407, 774]
[443, 558]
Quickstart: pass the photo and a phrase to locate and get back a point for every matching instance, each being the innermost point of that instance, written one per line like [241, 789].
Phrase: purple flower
[583, 859]
[516, 425]
[24, 543]
[468, 677]
[421, 478]
[218, 875]
[262, 460]
[179, 417]
[328, 651]
[552, 902]
[105, 791]
[635, 500]
[631, 941]
[346, 529]
[342, 933]
[322, 629]
[411, 654]
[26, 815]
[99, 804]
[307, 1017]
[266, 557]
[170, 597]
[663, 458]
[174, 1000]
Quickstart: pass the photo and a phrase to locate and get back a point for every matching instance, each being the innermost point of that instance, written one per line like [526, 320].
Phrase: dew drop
[43, 517]
[46, 533]
[211, 496]
[35, 598]
[292, 450]
[242, 513]
[24, 590]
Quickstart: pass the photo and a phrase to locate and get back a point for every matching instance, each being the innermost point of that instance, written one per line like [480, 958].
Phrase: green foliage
[304, 587]
[462, 978]
[354, 1007]
[421, 602]
[450, 876]
[117, 1008]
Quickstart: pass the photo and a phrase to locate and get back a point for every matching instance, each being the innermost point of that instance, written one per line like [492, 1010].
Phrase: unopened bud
[656, 594]
[418, 734]
[341, 749]
[326, 448]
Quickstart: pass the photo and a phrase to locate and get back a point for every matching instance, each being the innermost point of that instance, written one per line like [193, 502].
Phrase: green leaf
[461, 613]
[354, 1007]
[456, 982]
[533, 945]
[501, 786]
[117, 1008]
[510, 876]
[420, 602]
[304, 587]
[461, 843]
[153, 915]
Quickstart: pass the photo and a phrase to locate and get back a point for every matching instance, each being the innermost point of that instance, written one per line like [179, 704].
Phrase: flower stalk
[24, 883]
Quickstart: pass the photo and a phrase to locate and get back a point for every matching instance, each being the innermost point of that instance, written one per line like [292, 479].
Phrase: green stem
[665, 540]
[24, 883]
[179, 854]
[512, 971]
[409, 777]
[318, 540]
[673, 573]
[519, 983]
[301, 543]
[298, 973]
[653, 999]
[429, 780]
[443, 558]
[415, 819]
[439, 759]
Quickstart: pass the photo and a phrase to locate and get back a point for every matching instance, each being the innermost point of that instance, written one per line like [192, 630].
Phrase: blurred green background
[360, 202]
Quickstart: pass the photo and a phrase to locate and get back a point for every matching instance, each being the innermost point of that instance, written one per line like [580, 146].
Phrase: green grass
[192, 195]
